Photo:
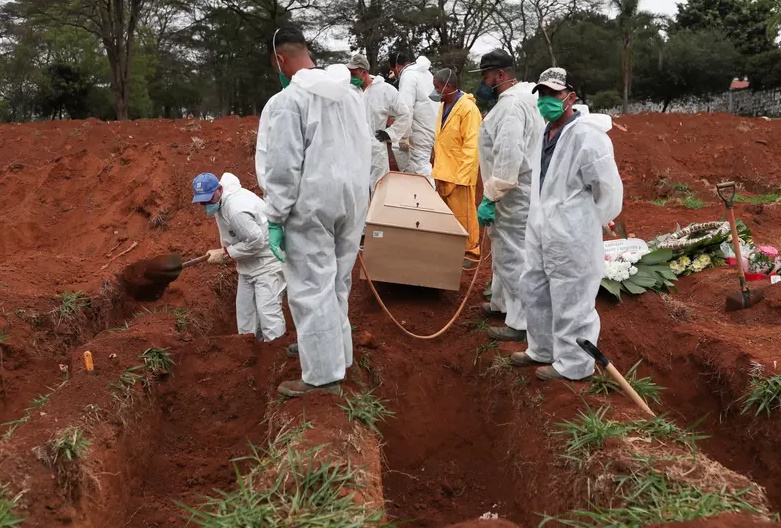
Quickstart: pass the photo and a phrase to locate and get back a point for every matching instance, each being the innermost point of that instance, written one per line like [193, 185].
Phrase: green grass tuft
[122, 328]
[764, 393]
[69, 445]
[500, 364]
[158, 361]
[589, 432]
[762, 198]
[3, 337]
[72, 303]
[649, 498]
[659, 202]
[285, 486]
[8, 518]
[691, 202]
[368, 409]
[603, 383]
[482, 349]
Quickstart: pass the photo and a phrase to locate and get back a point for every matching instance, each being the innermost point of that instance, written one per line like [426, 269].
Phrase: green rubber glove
[276, 240]
[486, 213]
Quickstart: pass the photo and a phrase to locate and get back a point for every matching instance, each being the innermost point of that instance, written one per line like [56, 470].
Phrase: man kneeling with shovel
[241, 220]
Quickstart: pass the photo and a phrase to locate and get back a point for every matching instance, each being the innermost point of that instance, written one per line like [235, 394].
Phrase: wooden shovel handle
[195, 261]
[627, 388]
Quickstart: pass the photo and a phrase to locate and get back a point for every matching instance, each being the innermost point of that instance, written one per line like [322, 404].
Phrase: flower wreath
[694, 234]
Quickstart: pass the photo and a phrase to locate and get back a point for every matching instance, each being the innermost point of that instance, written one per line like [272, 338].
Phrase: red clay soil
[458, 446]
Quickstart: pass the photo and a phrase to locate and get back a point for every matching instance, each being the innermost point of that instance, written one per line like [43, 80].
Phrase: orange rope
[452, 320]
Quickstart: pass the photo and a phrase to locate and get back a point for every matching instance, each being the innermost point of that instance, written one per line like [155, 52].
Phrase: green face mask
[550, 107]
[356, 81]
[284, 81]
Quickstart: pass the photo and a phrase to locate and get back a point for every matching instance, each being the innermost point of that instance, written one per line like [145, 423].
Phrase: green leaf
[613, 287]
[634, 289]
[643, 279]
[657, 256]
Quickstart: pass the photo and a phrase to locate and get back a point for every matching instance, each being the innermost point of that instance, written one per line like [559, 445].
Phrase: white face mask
[436, 96]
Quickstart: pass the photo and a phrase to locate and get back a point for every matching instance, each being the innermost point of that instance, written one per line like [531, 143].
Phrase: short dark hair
[398, 58]
[448, 76]
[286, 35]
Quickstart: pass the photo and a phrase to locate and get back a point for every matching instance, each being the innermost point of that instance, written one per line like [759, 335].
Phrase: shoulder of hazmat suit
[384, 101]
[509, 137]
[318, 161]
[415, 85]
[260, 146]
[456, 143]
[242, 223]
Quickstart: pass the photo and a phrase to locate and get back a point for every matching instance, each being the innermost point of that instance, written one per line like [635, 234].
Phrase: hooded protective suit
[318, 157]
[582, 191]
[243, 229]
[415, 85]
[384, 101]
[509, 137]
[262, 142]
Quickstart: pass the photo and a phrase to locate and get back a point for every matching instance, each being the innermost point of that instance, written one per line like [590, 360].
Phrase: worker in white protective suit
[261, 145]
[576, 189]
[317, 165]
[241, 220]
[382, 102]
[416, 83]
[509, 136]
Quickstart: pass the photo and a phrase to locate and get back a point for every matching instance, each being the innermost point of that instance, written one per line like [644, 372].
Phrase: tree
[552, 14]
[629, 20]
[114, 22]
[693, 63]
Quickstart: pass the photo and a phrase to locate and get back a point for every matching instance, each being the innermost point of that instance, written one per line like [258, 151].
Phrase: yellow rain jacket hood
[455, 143]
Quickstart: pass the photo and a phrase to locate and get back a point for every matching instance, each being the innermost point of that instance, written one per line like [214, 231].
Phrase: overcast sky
[663, 7]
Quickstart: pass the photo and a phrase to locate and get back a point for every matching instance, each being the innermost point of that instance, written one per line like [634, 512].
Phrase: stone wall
[745, 102]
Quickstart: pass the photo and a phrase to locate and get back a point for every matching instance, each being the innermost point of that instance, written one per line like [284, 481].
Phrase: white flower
[632, 270]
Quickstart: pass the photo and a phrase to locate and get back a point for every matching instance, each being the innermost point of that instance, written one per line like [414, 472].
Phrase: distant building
[737, 84]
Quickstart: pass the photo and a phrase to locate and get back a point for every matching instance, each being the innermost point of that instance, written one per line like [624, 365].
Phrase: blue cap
[204, 186]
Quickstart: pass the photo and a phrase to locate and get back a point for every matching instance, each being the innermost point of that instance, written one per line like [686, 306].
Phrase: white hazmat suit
[384, 101]
[319, 153]
[261, 146]
[509, 138]
[581, 192]
[243, 228]
[415, 85]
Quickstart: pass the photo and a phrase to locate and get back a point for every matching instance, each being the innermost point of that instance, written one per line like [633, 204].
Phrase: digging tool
[745, 298]
[147, 280]
[605, 363]
[168, 267]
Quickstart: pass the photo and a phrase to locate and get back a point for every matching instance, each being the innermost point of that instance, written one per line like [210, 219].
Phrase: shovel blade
[163, 263]
[743, 300]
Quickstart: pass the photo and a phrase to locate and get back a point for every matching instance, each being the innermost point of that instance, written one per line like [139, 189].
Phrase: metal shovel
[605, 363]
[147, 280]
[745, 298]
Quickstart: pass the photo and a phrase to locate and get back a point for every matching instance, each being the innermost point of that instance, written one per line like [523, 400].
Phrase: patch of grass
[184, 319]
[122, 328]
[158, 361]
[589, 432]
[649, 391]
[762, 392]
[659, 202]
[72, 303]
[285, 485]
[680, 187]
[368, 409]
[660, 428]
[3, 337]
[365, 360]
[691, 202]
[649, 497]
[13, 425]
[8, 502]
[678, 310]
[477, 326]
[762, 198]
[69, 445]
[39, 401]
[160, 220]
[500, 364]
[479, 351]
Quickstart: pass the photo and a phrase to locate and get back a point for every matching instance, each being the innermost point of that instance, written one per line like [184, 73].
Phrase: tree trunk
[550, 46]
[627, 48]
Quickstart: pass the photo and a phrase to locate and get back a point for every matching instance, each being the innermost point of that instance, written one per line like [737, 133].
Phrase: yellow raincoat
[456, 165]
